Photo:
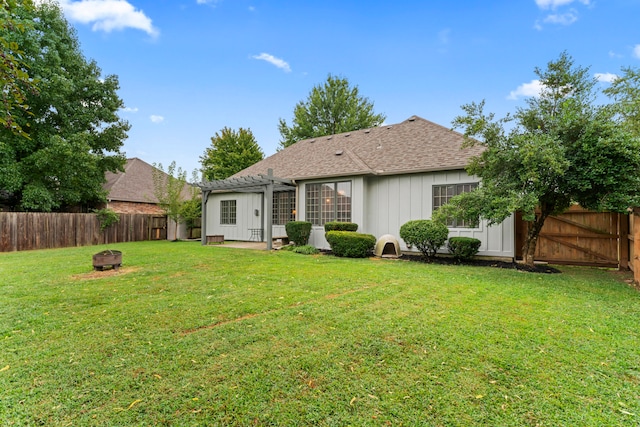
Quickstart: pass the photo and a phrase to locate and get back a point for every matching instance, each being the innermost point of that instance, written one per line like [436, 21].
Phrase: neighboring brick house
[132, 192]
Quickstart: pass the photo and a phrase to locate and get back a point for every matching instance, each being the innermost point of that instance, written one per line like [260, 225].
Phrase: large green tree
[558, 150]
[230, 152]
[332, 107]
[73, 131]
[14, 76]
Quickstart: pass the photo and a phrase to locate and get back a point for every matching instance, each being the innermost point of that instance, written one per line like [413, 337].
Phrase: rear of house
[378, 178]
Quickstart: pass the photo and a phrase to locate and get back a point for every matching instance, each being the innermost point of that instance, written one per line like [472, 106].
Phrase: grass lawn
[191, 335]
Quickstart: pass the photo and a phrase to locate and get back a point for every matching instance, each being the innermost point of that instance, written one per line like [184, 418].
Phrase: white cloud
[636, 51]
[207, 1]
[130, 109]
[274, 61]
[156, 119]
[526, 89]
[606, 77]
[554, 4]
[108, 15]
[562, 19]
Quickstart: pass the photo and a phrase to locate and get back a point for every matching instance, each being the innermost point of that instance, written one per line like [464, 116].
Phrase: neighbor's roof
[135, 184]
[415, 145]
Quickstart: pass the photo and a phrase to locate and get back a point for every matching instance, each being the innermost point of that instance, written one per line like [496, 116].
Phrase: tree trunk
[533, 231]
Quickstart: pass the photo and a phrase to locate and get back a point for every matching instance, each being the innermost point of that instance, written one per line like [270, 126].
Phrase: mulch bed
[538, 268]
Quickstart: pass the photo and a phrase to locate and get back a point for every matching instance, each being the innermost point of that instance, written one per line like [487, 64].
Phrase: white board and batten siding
[246, 219]
[391, 201]
[381, 204]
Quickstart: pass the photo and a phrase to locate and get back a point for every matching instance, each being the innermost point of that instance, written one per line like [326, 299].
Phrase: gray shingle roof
[415, 145]
[135, 184]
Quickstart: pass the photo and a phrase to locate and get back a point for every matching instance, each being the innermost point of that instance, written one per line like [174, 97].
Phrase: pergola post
[269, 213]
[203, 219]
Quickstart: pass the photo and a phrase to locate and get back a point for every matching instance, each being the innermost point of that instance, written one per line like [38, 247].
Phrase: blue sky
[188, 68]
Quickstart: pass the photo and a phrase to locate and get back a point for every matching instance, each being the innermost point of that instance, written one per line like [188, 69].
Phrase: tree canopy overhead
[558, 150]
[230, 152]
[73, 132]
[333, 107]
[14, 76]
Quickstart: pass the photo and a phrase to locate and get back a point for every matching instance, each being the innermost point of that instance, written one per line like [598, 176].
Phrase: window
[284, 207]
[443, 193]
[228, 212]
[328, 202]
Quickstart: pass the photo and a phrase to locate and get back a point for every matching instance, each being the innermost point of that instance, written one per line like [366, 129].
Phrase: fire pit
[107, 258]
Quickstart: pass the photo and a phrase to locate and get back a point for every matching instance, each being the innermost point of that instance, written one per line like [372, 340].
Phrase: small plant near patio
[426, 235]
[298, 232]
[305, 250]
[350, 244]
[340, 226]
[463, 248]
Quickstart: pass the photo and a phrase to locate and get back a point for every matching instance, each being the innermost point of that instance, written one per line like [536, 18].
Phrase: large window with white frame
[227, 212]
[284, 207]
[443, 193]
[328, 201]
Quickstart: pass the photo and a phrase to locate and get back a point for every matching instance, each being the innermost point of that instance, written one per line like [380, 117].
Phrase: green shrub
[306, 250]
[350, 244]
[106, 218]
[426, 235]
[463, 248]
[340, 226]
[298, 232]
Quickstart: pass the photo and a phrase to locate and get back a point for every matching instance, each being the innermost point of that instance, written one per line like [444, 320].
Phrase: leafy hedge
[298, 232]
[426, 235]
[340, 226]
[350, 244]
[463, 248]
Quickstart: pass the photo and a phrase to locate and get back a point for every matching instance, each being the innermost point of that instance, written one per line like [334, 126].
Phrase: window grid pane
[313, 203]
[343, 202]
[284, 203]
[327, 205]
[443, 193]
[328, 202]
[228, 212]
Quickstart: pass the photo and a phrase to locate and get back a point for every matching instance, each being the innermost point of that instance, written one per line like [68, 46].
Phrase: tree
[73, 133]
[331, 108]
[625, 90]
[230, 152]
[168, 187]
[14, 77]
[558, 150]
[191, 209]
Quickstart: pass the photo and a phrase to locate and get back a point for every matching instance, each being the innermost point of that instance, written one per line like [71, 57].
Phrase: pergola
[263, 184]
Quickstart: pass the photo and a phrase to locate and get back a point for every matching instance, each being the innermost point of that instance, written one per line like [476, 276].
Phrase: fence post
[623, 241]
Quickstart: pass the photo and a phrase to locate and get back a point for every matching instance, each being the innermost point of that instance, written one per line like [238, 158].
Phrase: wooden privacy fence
[20, 231]
[634, 243]
[581, 237]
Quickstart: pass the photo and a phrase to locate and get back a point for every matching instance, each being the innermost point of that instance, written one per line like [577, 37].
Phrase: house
[378, 178]
[132, 191]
